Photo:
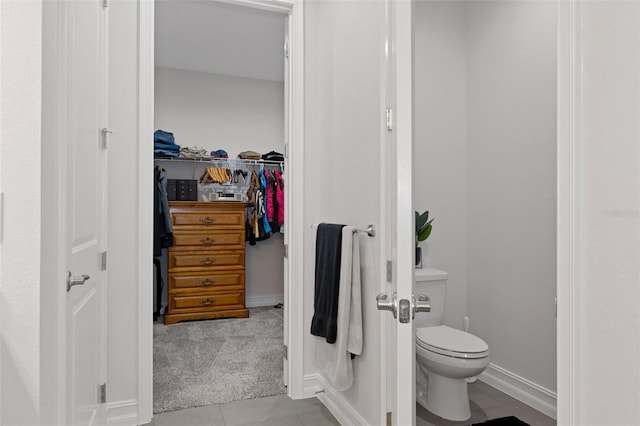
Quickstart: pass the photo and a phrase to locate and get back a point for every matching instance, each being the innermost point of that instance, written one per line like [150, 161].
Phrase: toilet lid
[451, 342]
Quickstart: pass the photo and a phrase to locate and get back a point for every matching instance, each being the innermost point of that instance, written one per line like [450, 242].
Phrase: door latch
[403, 308]
[421, 304]
[75, 280]
[385, 304]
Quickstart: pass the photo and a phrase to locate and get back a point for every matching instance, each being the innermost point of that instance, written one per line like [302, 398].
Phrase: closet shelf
[230, 162]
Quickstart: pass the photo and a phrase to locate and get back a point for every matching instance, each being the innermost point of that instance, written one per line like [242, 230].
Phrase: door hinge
[286, 49]
[389, 271]
[102, 393]
[389, 119]
[389, 423]
[105, 3]
[103, 260]
[286, 150]
[105, 134]
[286, 251]
[286, 352]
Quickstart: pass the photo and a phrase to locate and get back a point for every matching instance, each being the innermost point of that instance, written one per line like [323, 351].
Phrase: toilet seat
[451, 342]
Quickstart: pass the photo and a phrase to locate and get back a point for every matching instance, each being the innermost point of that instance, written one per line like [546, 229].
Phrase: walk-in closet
[219, 218]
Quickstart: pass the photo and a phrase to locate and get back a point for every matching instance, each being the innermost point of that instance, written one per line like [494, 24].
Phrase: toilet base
[445, 397]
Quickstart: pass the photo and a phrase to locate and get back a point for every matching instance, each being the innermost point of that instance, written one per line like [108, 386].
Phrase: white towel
[334, 360]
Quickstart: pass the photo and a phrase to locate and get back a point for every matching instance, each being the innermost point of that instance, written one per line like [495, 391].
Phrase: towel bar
[371, 230]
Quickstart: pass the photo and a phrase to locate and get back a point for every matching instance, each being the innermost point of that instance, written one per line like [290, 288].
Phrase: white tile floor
[486, 403]
[270, 411]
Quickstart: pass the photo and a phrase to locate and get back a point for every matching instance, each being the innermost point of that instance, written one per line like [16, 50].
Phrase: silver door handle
[421, 303]
[385, 304]
[76, 279]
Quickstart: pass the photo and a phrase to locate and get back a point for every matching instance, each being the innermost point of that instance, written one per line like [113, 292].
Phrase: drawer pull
[207, 282]
[207, 219]
[207, 241]
[208, 302]
[208, 261]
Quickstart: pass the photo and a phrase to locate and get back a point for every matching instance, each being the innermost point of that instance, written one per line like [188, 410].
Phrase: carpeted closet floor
[209, 362]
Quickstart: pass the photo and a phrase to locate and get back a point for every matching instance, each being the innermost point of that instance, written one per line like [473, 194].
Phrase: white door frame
[568, 327]
[293, 207]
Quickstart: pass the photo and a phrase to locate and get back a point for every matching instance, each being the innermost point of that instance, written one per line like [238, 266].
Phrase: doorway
[221, 88]
[486, 139]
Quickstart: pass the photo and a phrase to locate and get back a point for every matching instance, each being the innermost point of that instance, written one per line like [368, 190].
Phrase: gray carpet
[199, 363]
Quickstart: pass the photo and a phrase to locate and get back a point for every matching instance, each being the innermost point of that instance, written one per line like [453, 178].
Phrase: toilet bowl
[446, 357]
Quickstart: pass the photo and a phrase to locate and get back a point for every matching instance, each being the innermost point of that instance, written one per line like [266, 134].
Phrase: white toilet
[445, 357]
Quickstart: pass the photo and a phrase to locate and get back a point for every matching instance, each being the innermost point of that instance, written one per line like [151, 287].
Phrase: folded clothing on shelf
[249, 155]
[164, 144]
[193, 152]
[273, 156]
[219, 153]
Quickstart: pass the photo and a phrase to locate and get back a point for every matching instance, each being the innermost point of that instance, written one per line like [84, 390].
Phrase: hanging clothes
[162, 227]
[269, 196]
[279, 178]
[263, 190]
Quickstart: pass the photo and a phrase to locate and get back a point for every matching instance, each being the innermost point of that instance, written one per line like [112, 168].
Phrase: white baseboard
[523, 390]
[269, 300]
[122, 413]
[314, 385]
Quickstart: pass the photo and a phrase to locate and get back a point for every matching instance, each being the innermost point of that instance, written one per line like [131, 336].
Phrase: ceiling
[209, 36]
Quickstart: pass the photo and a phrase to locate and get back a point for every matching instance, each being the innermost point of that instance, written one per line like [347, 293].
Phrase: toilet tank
[431, 282]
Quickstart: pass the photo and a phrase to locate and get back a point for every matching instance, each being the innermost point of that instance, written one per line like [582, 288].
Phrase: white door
[400, 213]
[360, 173]
[84, 205]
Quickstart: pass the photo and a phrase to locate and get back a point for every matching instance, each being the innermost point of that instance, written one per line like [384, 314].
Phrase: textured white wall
[485, 168]
[235, 114]
[511, 192]
[440, 142]
[342, 133]
[609, 356]
[20, 136]
[220, 112]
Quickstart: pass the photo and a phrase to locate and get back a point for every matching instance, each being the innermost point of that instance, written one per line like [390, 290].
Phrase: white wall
[609, 354]
[220, 112]
[342, 134]
[485, 168]
[440, 143]
[511, 184]
[235, 114]
[20, 136]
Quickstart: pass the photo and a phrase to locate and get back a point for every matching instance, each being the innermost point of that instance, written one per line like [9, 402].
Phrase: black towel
[325, 302]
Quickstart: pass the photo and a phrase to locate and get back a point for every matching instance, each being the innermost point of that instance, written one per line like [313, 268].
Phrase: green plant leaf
[421, 220]
[424, 233]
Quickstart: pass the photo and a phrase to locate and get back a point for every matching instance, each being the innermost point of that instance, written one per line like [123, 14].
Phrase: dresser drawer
[193, 240]
[223, 281]
[214, 218]
[204, 259]
[206, 302]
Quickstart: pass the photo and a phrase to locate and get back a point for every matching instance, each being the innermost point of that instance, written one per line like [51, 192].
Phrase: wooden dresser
[206, 263]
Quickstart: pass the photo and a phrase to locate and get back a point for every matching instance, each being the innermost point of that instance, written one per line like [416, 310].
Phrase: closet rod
[220, 161]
